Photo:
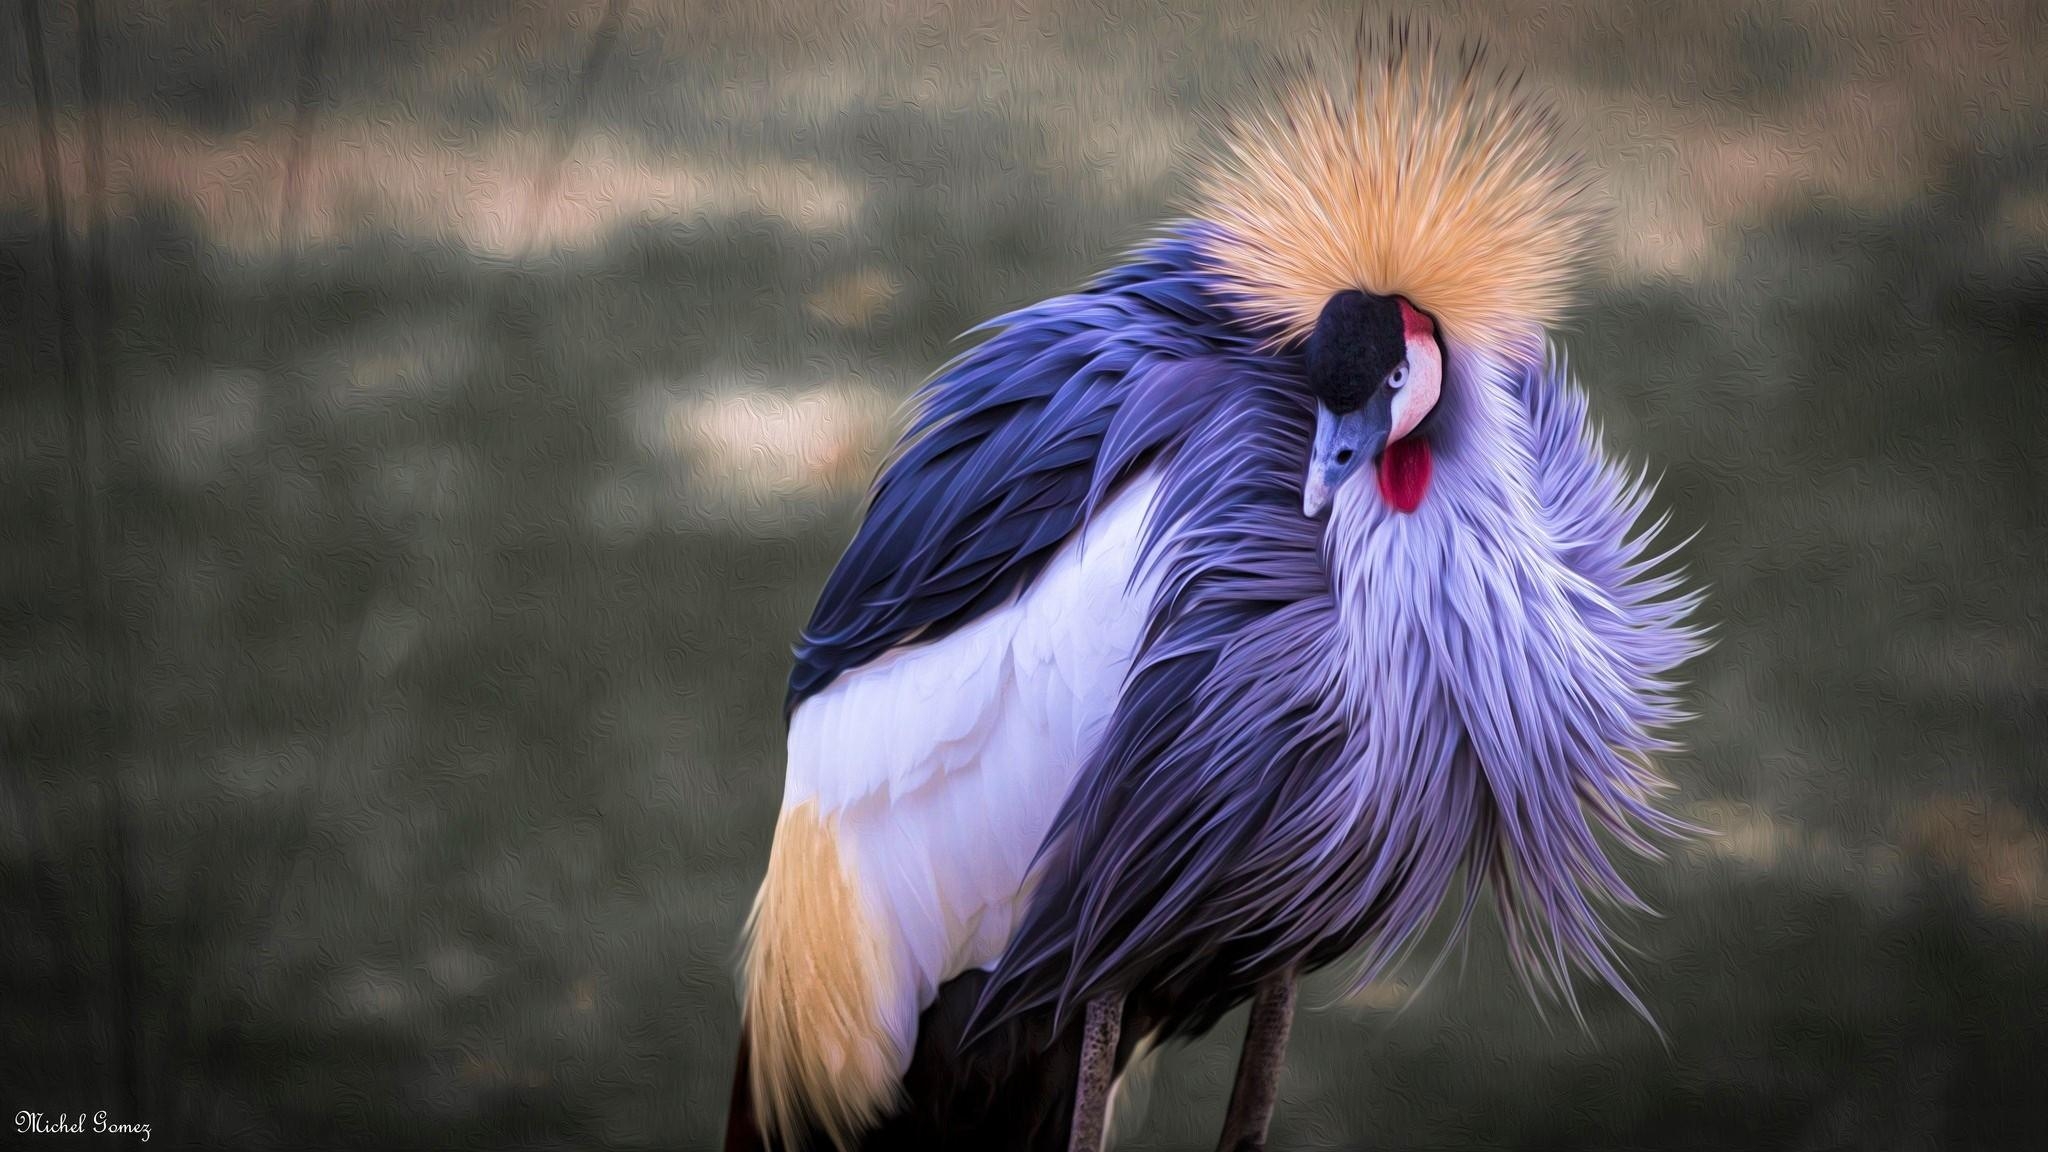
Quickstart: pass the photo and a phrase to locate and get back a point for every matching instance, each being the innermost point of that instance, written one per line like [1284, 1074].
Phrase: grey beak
[1343, 443]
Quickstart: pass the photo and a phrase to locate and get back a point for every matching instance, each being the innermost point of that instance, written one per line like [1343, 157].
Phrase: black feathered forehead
[1357, 340]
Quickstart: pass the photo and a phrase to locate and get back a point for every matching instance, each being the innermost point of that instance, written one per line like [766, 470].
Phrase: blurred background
[463, 403]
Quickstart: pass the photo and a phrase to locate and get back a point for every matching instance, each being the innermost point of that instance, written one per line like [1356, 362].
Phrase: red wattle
[1404, 473]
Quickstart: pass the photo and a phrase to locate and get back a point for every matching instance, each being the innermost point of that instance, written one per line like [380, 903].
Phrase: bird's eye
[1399, 377]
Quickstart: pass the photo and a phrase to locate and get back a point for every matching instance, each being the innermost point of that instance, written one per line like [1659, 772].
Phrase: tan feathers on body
[1416, 176]
[820, 1054]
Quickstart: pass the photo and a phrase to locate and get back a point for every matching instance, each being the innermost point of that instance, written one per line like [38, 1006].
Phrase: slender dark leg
[1258, 1068]
[1098, 1072]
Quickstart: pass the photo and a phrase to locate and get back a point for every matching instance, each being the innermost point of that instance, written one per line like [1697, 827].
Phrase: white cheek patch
[1418, 392]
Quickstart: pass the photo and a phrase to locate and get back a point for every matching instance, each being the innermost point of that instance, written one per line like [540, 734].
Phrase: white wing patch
[944, 763]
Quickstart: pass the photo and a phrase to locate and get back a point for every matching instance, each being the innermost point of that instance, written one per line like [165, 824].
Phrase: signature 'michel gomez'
[64, 1124]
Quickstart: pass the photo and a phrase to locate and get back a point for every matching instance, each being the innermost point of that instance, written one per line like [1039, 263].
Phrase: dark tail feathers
[1012, 1091]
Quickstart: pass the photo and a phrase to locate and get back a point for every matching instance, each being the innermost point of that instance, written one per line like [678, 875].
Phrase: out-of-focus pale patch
[458, 969]
[1755, 839]
[1659, 229]
[1688, 177]
[408, 358]
[1657, 245]
[1907, 84]
[1893, 87]
[432, 481]
[1993, 845]
[854, 300]
[1747, 835]
[769, 442]
[760, 457]
[488, 194]
[370, 993]
[2022, 222]
[1132, 150]
[1386, 995]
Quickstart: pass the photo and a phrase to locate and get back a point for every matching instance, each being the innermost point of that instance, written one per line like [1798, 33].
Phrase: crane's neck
[1391, 571]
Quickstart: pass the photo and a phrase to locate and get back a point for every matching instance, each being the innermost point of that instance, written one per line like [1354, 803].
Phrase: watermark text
[75, 1124]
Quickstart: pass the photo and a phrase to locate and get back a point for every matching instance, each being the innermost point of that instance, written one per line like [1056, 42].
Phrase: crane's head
[1412, 227]
[1377, 370]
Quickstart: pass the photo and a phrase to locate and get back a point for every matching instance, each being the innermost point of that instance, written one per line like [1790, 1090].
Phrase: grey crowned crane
[1227, 618]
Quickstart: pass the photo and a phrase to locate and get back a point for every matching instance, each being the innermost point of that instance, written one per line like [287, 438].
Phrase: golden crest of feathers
[1423, 174]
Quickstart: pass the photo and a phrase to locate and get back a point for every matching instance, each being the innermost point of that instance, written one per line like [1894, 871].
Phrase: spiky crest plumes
[1425, 173]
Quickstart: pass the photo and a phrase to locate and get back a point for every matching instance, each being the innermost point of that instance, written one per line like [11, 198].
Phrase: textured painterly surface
[455, 539]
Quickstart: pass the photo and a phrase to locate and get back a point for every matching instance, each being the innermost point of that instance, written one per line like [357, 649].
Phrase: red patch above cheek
[1414, 324]
[1404, 473]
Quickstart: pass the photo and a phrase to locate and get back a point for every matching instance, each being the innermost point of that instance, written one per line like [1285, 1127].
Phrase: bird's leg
[1258, 1068]
[1098, 1072]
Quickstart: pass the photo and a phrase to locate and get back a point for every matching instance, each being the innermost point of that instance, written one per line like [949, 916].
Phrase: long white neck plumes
[1515, 620]
[1482, 500]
